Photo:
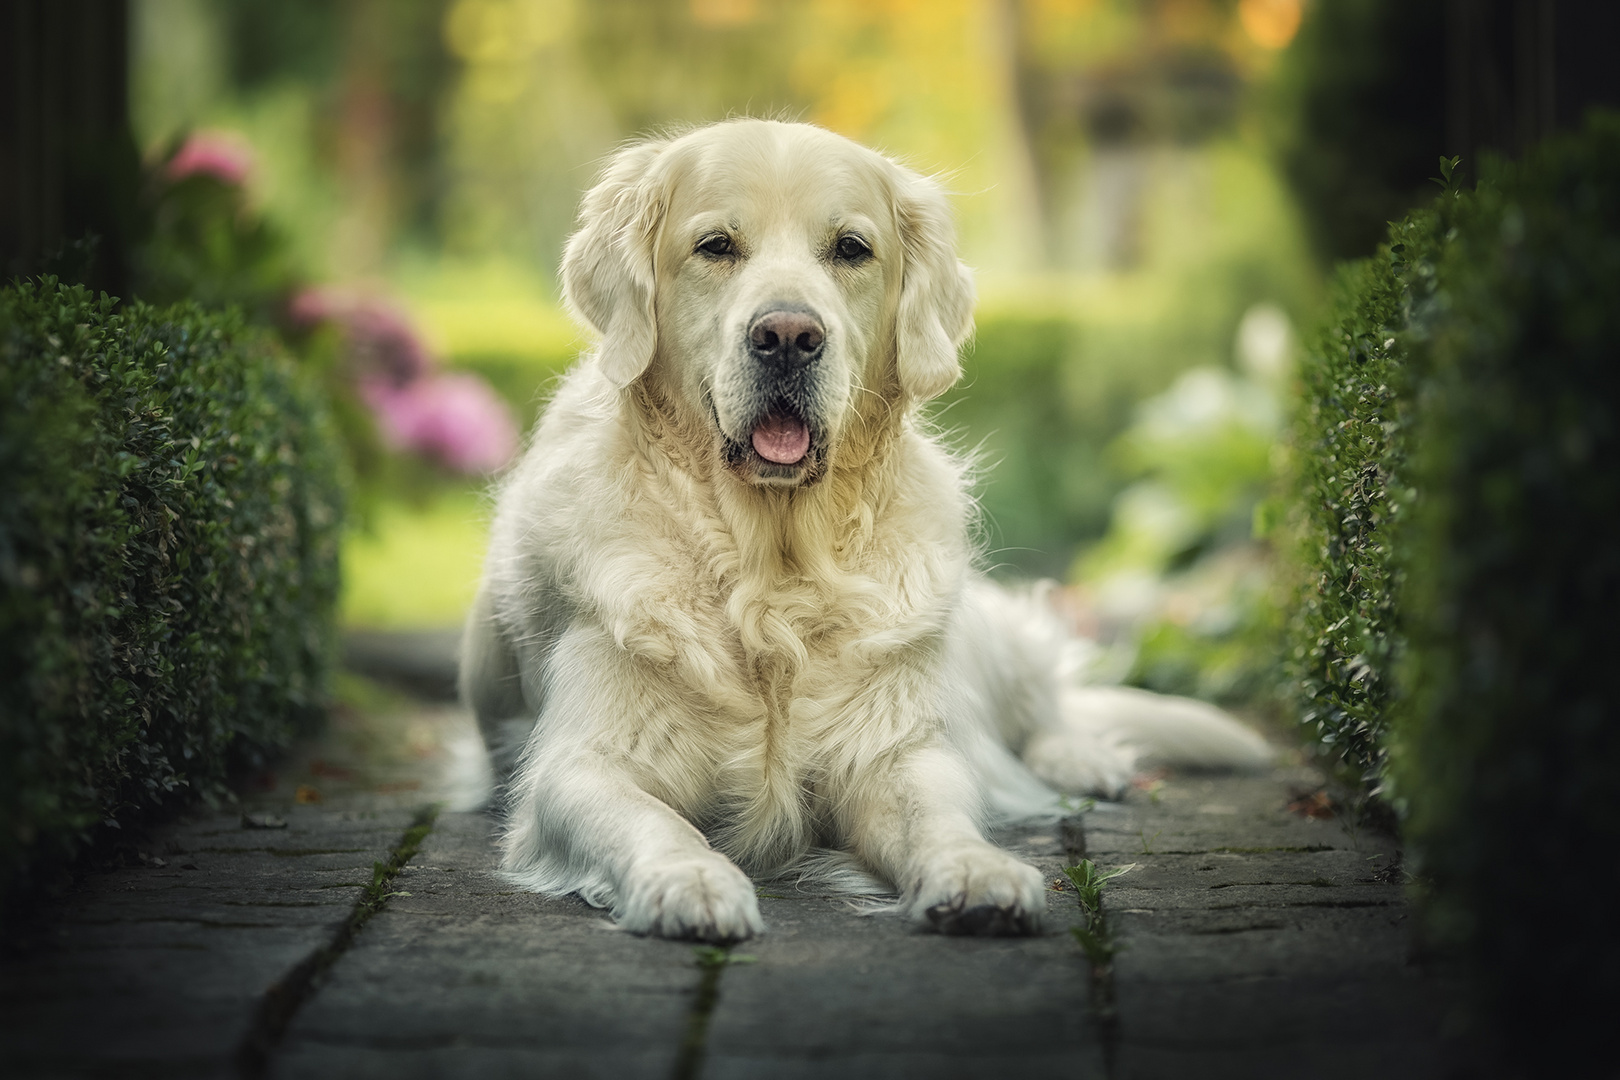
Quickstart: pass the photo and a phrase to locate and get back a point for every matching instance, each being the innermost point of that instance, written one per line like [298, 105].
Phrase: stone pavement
[1258, 941]
[1252, 941]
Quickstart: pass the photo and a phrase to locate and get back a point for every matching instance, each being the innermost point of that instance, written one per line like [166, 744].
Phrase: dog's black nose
[786, 338]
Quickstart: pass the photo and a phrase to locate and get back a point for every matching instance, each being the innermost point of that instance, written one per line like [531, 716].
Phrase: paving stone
[1258, 942]
[159, 970]
[1233, 814]
[468, 976]
[835, 994]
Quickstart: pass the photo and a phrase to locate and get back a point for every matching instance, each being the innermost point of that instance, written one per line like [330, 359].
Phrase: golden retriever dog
[730, 623]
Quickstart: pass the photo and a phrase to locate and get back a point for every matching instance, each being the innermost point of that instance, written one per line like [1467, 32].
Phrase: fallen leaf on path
[1317, 805]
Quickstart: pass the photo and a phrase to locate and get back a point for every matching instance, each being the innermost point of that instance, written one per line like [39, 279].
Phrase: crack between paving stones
[711, 960]
[1104, 1005]
[293, 990]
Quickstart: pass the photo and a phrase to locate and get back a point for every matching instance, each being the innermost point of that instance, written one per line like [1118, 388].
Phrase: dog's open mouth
[781, 437]
[782, 447]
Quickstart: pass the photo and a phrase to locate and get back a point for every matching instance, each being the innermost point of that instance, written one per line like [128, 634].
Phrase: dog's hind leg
[1020, 664]
[1105, 733]
[1078, 738]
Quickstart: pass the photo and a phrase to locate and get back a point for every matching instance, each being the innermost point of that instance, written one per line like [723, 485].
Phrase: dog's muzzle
[785, 341]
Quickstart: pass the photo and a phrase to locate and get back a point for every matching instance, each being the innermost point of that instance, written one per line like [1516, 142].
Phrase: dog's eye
[851, 248]
[716, 245]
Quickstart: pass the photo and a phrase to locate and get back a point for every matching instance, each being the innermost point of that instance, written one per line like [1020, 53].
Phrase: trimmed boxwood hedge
[1507, 743]
[1459, 463]
[170, 508]
[1351, 449]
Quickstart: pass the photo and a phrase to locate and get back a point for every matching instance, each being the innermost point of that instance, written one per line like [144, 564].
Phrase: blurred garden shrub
[1053, 406]
[401, 421]
[454, 420]
[170, 510]
[204, 240]
[1044, 481]
[1181, 586]
[1507, 751]
[1358, 102]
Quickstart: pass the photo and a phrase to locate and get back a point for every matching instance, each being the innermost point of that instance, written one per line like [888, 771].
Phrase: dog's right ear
[607, 269]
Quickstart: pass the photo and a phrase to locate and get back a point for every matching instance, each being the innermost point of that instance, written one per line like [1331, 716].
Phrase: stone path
[1251, 941]
[1255, 941]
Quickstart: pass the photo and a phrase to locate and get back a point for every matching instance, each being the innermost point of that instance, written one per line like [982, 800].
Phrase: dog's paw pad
[979, 891]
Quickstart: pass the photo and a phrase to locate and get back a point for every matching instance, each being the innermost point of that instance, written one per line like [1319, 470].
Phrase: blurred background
[1149, 190]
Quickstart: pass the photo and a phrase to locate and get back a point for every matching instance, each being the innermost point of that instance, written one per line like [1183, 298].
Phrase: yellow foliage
[1271, 23]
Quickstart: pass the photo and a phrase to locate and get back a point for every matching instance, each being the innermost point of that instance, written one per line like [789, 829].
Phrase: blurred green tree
[1360, 98]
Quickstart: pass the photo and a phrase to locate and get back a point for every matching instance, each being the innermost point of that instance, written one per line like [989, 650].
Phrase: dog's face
[771, 275]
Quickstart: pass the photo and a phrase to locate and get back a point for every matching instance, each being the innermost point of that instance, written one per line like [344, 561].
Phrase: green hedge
[1350, 448]
[169, 517]
[1507, 746]
[1460, 495]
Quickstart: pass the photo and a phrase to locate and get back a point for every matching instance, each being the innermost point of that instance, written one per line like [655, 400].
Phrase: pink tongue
[782, 439]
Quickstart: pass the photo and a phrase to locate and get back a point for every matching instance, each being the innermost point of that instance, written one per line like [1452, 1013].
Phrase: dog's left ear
[936, 294]
[607, 269]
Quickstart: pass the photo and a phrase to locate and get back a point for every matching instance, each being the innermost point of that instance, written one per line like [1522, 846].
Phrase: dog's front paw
[705, 898]
[978, 890]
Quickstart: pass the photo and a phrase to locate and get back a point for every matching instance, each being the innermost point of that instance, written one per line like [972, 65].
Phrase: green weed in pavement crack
[283, 1000]
[711, 960]
[1097, 941]
[1092, 933]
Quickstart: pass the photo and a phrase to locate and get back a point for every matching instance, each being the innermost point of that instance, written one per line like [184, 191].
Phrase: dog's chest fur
[762, 640]
[760, 700]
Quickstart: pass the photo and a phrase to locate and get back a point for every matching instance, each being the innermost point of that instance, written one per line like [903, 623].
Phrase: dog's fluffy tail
[1164, 730]
[1033, 683]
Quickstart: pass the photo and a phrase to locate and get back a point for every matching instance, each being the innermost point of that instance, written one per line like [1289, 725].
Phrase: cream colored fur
[695, 667]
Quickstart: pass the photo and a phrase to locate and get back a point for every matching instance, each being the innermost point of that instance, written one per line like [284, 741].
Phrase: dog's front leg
[581, 824]
[910, 820]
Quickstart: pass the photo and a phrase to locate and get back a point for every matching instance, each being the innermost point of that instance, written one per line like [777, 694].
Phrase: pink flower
[312, 305]
[222, 155]
[380, 340]
[454, 418]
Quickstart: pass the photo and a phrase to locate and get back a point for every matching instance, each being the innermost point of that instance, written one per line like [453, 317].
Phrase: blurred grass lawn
[417, 566]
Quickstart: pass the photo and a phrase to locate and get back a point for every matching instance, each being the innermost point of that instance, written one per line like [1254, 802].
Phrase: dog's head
[771, 277]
